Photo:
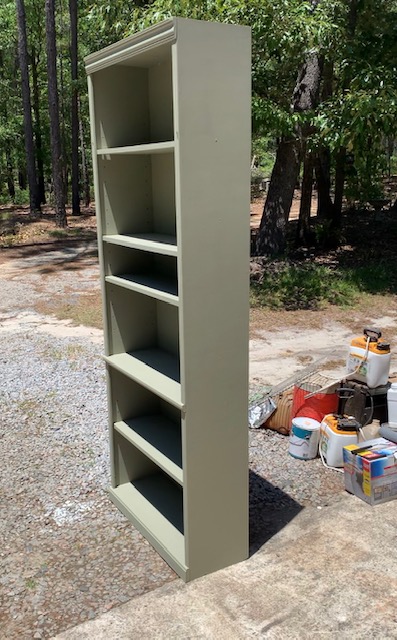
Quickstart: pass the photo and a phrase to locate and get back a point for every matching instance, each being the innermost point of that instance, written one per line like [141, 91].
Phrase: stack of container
[366, 385]
[364, 400]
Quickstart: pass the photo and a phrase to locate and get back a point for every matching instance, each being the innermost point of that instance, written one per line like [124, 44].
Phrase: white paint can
[304, 438]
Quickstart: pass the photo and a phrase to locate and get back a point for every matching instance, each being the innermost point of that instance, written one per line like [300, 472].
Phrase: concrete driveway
[330, 573]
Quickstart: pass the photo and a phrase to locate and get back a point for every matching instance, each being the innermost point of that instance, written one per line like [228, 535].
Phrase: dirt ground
[68, 302]
[257, 208]
[18, 228]
[282, 342]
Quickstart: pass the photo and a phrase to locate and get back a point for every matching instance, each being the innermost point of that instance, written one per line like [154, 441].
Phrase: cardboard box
[370, 470]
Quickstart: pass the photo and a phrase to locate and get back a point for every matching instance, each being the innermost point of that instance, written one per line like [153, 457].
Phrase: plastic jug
[392, 404]
[369, 359]
[337, 432]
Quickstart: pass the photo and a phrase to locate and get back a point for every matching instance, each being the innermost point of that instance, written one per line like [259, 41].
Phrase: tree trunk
[325, 207]
[272, 231]
[62, 100]
[340, 163]
[340, 170]
[86, 178]
[303, 230]
[34, 195]
[10, 172]
[322, 161]
[74, 108]
[6, 141]
[22, 180]
[53, 103]
[38, 137]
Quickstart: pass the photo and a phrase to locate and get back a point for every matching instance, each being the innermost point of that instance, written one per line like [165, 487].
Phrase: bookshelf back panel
[122, 107]
[163, 194]
[137, 194]
[133, 105]
[140, 322]
[130, 463]
[130, 400]
[121, 260]
[160, 101]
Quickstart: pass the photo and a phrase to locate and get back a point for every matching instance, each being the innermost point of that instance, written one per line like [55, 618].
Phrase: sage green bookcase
[170, 125]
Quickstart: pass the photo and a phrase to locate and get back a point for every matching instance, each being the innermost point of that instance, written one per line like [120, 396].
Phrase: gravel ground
[67, 554]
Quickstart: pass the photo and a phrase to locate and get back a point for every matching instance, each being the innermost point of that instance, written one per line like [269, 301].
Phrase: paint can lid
[306, 423]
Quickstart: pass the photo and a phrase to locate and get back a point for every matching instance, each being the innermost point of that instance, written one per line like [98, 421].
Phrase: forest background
[324, 103]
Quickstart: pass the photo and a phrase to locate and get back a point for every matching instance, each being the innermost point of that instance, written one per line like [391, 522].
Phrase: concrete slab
[329, 573]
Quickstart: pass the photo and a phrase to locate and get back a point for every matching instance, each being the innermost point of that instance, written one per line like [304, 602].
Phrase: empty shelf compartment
[148, 422]
[137, 194]
[153, 509]
[134, 104]
[159, 439]
[137, 322]
[148, 273]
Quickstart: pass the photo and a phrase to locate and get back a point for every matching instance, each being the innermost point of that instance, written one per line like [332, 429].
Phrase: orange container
[318, 405]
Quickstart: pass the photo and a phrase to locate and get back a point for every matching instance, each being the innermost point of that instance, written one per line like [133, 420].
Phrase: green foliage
[377, 277]
[11, 120]
[393, 165]
[105, 22]
[21, 197]
[292, 286]
[8, 24]
[282, 30]
[360, 114]
[30, 583]
[362, 110]
[263, 148]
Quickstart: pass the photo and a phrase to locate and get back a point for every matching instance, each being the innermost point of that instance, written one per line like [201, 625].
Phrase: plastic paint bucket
[304, 438]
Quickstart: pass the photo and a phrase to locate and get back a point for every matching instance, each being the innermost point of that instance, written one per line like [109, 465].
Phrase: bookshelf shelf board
[153, 242]
[155, 286]
[139, 149]
[156, 370]
[159, 439]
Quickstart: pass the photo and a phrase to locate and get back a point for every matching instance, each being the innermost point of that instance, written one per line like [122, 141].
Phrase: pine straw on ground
[19, 228]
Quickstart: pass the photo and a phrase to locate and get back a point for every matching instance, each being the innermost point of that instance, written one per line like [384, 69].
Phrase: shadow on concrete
[71, 261]
[270, 509]
[52, 256]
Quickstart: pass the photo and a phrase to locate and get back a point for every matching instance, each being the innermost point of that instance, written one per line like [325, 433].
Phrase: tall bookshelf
[170, 128]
